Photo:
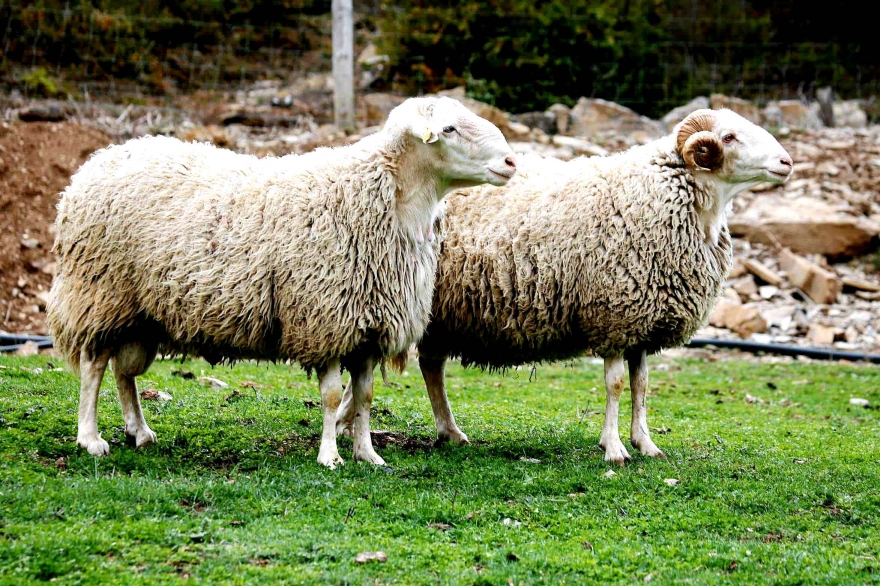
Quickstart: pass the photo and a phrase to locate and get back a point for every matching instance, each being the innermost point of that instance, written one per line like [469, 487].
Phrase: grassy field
[782, 490]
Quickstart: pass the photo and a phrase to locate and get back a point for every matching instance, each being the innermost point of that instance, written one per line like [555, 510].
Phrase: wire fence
[118, 57]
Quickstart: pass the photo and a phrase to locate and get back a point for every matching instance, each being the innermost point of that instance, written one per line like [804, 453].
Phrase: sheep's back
[613, 260]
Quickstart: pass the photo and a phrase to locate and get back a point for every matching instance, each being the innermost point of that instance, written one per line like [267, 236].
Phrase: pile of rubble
[806, 272]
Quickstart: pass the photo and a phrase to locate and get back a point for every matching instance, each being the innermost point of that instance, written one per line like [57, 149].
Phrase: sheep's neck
[716, 196]
[419, 192]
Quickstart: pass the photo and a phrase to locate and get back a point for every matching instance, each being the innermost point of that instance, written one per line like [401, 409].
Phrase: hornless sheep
[172, 247]
[623, 255]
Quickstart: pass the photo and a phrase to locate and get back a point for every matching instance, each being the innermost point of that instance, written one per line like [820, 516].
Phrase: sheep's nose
[786, 161]
[511, 161]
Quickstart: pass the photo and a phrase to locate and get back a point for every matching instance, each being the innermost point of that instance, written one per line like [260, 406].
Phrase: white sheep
[623, 255]
[322, 258]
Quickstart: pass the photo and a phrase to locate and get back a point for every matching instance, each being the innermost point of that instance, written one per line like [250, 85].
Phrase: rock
[212, 133]
[820, 285]
[562, 114]
[497, 117]
[215, 383]
[805, 224]
[518, 130]
[828, 168]
[28, 349]
[722, 307]
[745, 320]
[746, 286]
[744, 108]
[371, 556]
[859, 284]
[780, 317]
[768, 291]
[762, 272]
[378, 105]
[593, 116]
[578, 146]
[546, 121]
[50, 111]
[792, 114]
[42, 299]
[823, 335]
[30, 243]
[858, 402]
[676, 115]
[849, 113]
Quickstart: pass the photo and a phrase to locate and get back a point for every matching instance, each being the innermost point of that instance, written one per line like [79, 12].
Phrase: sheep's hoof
[453, 435]
[615, 452]
[368, 454]
[94, 445]
[331, 460]
[647, 448]
[145, 437]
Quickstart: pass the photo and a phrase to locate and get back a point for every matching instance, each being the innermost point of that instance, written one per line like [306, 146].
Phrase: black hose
[15, 341]
[21, 338]
[815, 353]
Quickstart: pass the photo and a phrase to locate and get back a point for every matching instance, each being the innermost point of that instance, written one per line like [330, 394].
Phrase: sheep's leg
[330, 381]
[362, 398]
[433, 373]
[345, 414]
[640, 437]
[91, 373]
[610, 441]
[131, 360]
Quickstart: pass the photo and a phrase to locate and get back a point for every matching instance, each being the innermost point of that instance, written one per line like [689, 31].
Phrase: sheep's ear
[697, 144]
[424, 132]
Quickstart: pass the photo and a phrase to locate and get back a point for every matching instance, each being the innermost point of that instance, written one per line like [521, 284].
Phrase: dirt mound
[36, 162]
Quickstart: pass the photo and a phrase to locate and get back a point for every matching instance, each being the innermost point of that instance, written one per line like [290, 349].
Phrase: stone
[745, 320]
[722, 307]
[819, 284]
[768, 291]
[562, 114]
[820, 334]
[371, 556]
[762, 272]
[51, 111]
[744, 108]
[546, 121]
[494, 115]
[792, 114]
[805, 224]
[828, 168]
[746, 286]
[859, 284]
[378, 105]
[849, 113]
[28, 349]
[676, 115]
[519, 130]
[593, 116]
[30, 243]
[578, 146]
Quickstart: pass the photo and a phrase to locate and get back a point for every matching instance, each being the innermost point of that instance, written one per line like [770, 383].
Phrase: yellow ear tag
[426, 136]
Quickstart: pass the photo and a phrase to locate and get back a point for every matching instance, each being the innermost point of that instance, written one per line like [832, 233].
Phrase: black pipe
[13, 347]
[816, 353]
[17, 341]
[21, 338]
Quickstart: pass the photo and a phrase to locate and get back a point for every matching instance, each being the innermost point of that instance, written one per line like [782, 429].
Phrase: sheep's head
[465, 150]
[726, 146]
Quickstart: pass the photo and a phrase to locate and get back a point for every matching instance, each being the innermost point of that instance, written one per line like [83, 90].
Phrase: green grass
[784, 491]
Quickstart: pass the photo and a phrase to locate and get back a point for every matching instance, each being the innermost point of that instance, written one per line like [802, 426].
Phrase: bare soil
[36, 162]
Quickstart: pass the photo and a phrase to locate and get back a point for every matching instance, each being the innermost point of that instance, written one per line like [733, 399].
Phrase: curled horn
[697, 144]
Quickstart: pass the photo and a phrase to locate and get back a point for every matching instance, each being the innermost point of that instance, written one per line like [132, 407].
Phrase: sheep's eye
[449, 129]
[729, 138]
